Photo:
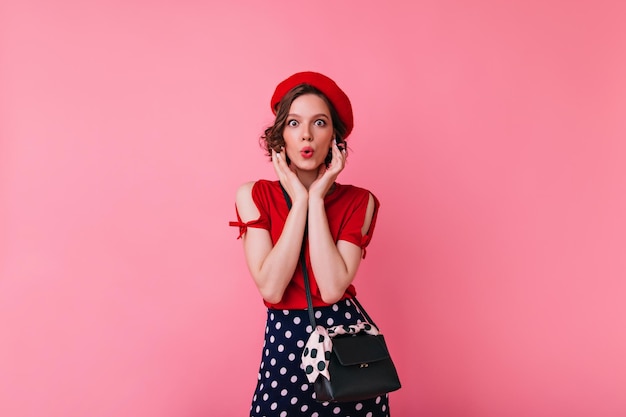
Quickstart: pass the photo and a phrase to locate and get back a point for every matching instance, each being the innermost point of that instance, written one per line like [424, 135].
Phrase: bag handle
[305, 273]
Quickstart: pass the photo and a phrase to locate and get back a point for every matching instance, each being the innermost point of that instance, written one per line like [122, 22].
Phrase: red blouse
[345, 208]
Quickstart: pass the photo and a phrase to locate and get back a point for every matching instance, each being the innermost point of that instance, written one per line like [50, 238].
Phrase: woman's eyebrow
[314, 116]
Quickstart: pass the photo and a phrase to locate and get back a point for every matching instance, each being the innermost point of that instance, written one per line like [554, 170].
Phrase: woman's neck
[307, 177]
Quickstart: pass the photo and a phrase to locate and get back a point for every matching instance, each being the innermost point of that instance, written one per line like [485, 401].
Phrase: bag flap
[359, 349]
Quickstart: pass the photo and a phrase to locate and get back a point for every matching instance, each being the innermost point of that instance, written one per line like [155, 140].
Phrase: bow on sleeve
[243, 226]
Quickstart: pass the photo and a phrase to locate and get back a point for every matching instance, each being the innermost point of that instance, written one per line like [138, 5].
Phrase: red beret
[328, 87]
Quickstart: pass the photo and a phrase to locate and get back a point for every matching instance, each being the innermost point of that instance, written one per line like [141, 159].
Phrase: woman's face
[308, 132]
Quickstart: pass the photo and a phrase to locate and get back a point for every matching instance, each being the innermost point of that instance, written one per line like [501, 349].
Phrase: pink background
[493, 133]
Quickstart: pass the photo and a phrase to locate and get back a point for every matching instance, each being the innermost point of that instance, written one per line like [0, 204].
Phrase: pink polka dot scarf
[316, 354]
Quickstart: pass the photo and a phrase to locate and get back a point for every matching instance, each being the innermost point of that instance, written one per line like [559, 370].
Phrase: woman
[334, 222]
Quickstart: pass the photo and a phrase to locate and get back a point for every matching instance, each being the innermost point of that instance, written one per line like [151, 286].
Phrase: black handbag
[360, 366]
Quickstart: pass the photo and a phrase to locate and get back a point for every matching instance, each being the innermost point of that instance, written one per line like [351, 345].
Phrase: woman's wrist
[299, 202]
[316, 201]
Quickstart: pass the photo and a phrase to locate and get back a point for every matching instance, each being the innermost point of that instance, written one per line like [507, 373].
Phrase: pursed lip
[307, 152]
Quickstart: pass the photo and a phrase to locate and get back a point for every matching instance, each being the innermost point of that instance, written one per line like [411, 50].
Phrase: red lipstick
[306, 152]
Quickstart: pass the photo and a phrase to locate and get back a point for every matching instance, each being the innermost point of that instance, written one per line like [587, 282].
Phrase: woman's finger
[279, 168]
[276, 163]
[338, 160]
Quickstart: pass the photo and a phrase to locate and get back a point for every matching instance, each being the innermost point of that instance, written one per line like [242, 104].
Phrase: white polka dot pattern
[283, 389]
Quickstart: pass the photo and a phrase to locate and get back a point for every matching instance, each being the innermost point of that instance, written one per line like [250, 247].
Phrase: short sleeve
[353, 223]
[262, 222]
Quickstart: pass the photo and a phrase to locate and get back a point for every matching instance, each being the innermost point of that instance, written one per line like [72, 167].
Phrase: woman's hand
[288, 178]
[326, 176]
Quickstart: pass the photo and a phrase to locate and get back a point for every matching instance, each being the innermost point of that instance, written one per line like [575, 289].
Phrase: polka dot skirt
[283, 389]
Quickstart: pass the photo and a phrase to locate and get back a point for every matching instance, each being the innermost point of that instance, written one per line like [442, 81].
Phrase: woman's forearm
[273, 273]
[332, 273]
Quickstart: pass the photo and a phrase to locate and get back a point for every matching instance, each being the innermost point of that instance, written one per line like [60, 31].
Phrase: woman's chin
[307, 165]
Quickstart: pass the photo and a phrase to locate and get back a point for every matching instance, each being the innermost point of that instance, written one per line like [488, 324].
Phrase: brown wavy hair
[272, 138]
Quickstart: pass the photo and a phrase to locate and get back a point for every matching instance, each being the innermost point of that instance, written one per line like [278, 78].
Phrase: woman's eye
[292, 123]
[320, 122]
